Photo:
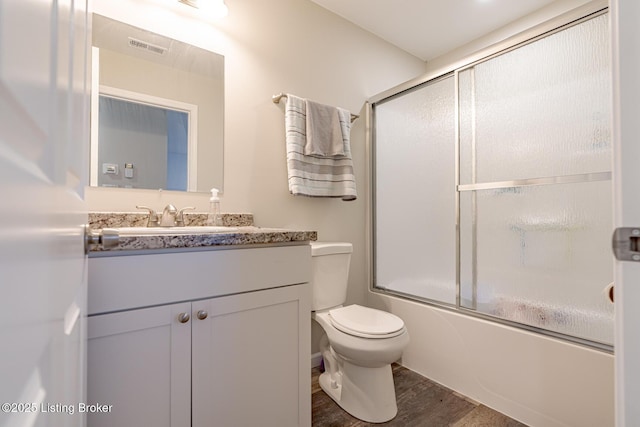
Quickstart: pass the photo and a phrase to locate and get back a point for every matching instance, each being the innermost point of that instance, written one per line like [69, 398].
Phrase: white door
[625, 16]
[43, 140]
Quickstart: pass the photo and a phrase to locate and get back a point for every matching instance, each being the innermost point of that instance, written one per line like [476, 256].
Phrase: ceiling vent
[139, 44]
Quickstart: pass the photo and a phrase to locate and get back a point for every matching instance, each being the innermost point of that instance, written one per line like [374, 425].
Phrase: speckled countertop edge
[243, 236]
[244, 233]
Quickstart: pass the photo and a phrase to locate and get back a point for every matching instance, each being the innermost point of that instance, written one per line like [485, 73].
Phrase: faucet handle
[180, 216]
[152, 221]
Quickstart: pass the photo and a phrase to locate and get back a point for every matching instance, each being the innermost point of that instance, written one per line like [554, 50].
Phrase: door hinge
[626, 243]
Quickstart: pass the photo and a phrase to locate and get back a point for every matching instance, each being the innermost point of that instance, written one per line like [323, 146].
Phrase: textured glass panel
[540, 110]
[415, 195]
[543, 257]
[466, 99]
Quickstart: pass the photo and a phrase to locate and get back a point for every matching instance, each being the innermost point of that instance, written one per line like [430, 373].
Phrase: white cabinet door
[139, 362]
[250, 359]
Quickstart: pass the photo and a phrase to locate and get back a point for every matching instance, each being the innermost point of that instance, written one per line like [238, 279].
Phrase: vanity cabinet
[216, 358]
[245, 358]
[139, 363]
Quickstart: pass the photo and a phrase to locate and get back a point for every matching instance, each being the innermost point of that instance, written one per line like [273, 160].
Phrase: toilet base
[365, 393]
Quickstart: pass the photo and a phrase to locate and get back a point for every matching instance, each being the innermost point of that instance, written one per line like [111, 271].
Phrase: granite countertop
[242, 233]
[248, 235]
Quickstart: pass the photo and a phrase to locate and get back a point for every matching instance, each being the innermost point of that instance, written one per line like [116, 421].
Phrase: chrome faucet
[168, 218]
[171, 217]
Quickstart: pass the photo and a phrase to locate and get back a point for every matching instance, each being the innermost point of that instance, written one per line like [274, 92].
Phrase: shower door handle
[626, 243]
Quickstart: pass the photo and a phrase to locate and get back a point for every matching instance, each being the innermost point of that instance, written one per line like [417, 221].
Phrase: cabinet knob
[202, 314]
[183, 317]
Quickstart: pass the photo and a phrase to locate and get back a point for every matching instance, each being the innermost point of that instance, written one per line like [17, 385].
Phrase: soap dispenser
[214, 217]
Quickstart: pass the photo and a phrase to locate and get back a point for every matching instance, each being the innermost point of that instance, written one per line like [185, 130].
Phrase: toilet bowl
[363, 348]
[359, 343]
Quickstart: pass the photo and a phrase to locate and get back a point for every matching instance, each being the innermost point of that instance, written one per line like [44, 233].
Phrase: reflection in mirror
[157, 111]
[152, 137]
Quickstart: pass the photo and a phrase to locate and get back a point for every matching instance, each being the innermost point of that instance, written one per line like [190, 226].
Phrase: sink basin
[146, 231]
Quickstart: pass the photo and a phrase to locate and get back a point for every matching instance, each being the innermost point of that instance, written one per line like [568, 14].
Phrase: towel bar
[276, 100]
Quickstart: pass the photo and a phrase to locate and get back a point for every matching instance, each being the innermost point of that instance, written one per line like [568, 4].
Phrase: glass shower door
[535, 184]
[415, 219]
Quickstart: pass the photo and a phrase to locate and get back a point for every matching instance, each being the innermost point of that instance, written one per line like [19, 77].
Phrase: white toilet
[359, 344]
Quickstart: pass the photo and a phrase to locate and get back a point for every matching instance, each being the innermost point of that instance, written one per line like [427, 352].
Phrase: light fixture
[212, 8]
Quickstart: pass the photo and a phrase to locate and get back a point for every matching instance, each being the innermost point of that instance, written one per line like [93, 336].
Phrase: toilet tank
[329, 273]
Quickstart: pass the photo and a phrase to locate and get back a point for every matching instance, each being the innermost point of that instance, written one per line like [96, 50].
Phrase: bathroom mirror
[157, 111]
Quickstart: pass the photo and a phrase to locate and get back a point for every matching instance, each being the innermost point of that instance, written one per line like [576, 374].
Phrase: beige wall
[271, 47]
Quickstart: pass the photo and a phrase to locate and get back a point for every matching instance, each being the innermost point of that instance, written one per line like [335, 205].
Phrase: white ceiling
[429, 28]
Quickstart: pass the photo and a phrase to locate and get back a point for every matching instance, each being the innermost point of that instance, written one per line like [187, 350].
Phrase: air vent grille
[139, 44]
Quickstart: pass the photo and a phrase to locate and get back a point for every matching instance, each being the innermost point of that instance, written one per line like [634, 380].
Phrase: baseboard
[316, 359]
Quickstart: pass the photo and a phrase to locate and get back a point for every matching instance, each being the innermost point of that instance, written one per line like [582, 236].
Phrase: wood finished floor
[421, 403]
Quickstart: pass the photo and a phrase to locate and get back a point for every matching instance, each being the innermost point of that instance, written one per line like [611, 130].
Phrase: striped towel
[315, 176]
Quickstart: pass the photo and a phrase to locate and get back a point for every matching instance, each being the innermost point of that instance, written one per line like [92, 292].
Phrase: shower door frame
[575, 17]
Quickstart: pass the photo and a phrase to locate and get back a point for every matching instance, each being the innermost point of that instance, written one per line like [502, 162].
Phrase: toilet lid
[366, 322]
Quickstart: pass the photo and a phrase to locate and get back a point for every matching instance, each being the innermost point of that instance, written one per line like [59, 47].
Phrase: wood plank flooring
[421, 403]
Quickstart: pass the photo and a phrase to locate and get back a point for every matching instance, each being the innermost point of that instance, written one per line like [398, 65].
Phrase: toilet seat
[366, 322]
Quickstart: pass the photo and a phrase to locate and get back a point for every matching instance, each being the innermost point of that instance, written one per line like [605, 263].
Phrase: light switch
[128, 170]
[109, 168]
